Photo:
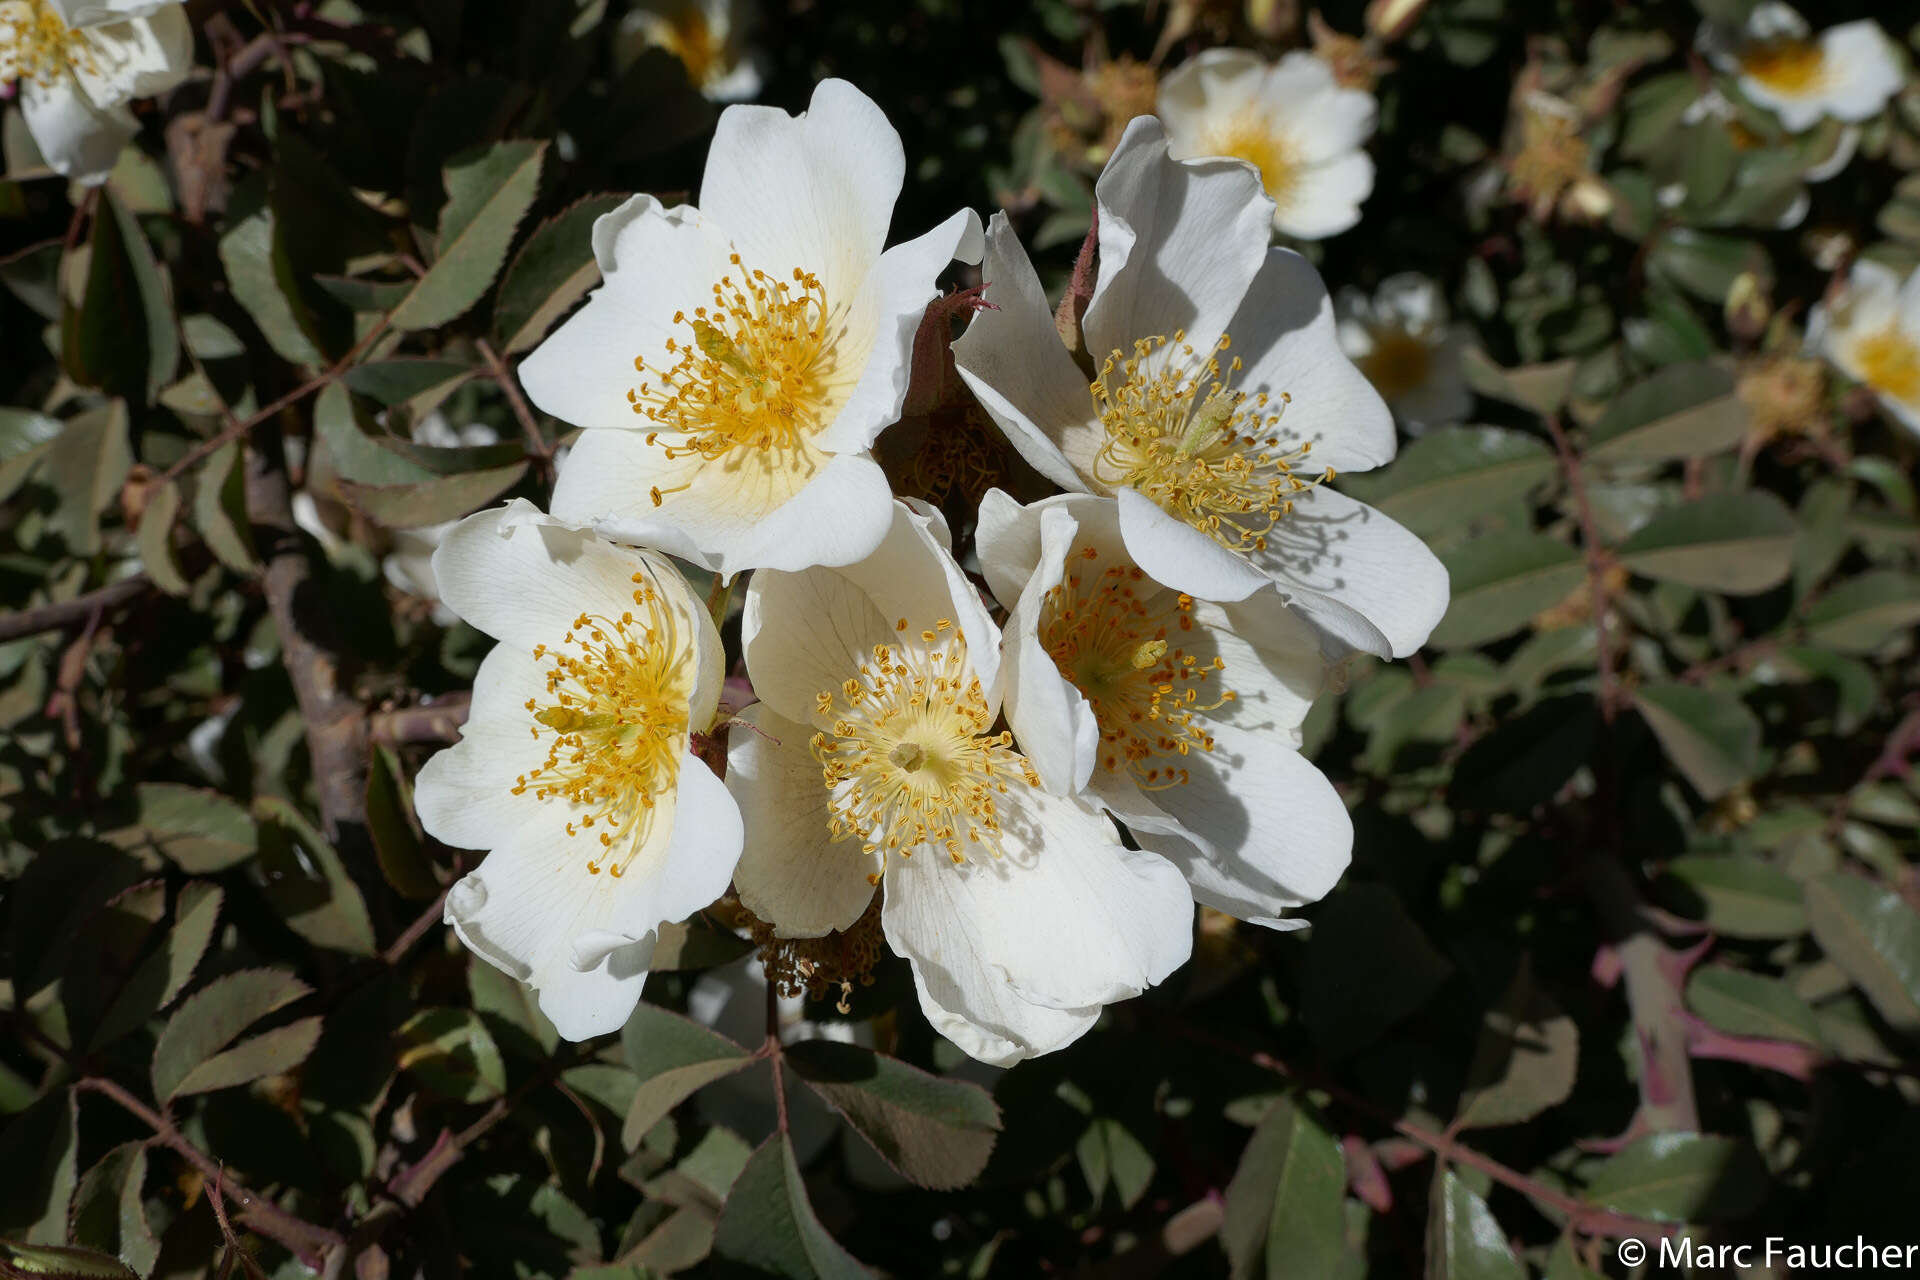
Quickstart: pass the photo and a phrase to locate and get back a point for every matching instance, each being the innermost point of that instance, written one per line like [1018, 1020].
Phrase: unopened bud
[1747, 307]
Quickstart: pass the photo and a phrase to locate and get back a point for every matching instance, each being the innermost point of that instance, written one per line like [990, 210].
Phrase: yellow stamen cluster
[1786, 65]
[911, 760]
[1252, 137]
[1211, 456]
[1399, 362]
[616, 722]
[37, 45]
[1889, 362]
[753, 374]
[1118, 639]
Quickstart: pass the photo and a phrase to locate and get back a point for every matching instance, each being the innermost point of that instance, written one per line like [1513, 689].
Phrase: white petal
[1865, 69]
[1324, 199]
[1068, 919]
[1319, 118]
[1051, 718]
[523, 578]
[904, 283]
[1265, 830]
[464, 794]
[1013, 361]
[792, 873]
[1175, 553]
[657, 262]
[1180, 241]
[77, 139]
[743, 513]
[1337, 548]
[1214, 85]
[813, 191]
[1284, 333]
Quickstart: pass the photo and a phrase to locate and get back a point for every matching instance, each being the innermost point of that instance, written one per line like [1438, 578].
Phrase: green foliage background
[1630, 938]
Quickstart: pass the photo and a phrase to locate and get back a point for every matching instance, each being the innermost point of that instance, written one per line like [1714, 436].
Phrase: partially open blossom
[1218, 407]
[1848, 71]
[742, 356]
[1402, 340]
[1292, 121]
[707, 36]
[873, 762]
[79, 62]
[1870, 331]
[574, 768]
[1180, 716]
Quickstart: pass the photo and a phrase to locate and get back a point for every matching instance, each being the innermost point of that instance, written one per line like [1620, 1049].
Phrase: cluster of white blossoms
[925, 762]
[78, 63]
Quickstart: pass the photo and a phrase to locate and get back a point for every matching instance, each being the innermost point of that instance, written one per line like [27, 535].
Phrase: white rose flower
[706, 35]
[872, 760]
[1292, 121]
[574, 766]
[1870, 331]
[79, 62]
[1215, 446]
[1181, 717]
[1848, 72]
[1402, 341]
[742, 356]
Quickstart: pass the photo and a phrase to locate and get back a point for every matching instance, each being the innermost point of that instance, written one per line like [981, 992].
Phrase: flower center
[1890, 364]
[911, 759]
[1786, 65]
[615, 718]
[690, 38]
[1250, 136]
[1399, 362]
[1124, 653]
[1208, 455]
[751, 375]
[36, 44]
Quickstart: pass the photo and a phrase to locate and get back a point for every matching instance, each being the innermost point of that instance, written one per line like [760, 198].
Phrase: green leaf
[25, 438]
[1864, 613]
[1683, 411]
[695, 944]
[1461, 469]
[220, 508]
[674, 1057]
[1542, 388]
[1526, 1059]
[487, 195]
[38, 1150]
[263, 281]
[1743, 897]
[210, 1019]
[1368, 966]
[309, 886]
[86, 466]
[1739, 543]
[1109, 1154]
[199, 831]
[1284, 1201]
[1711, 736]
[109, 1213]
[436, 501]
[1525, 760]
[392, 382]
[163, 975]
[156, 539]
[1681, 1177]
[935, 1133]
[1500, 582]
[1564, 1264]
[1872, 934]
[58, 1262]
[106, 949]
[553, 270]
[1703, 263]
[1464, 1240]
[398, 846]
[452, 1053]
[121, 338]
[768, 1223]
[1747, 1004]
